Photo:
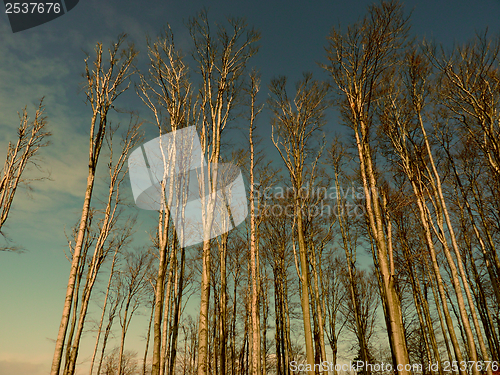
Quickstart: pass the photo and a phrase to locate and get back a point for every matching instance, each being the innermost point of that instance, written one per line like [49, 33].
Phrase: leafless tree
[105, 82]
[128, 362]
[134, 281]
[254, 245]
[469, 83]
[358, 62]
[108, 220]
[358, 322]
[293, 127]
[221, 61]
[32, 135]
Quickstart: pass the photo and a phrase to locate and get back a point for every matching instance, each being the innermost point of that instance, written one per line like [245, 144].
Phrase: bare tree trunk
[122, 340]
[318, 304]
[111, 317]
[76, 299]
[148, 336]
[213, 365]
[424, 217]
[265, 313]
[168, 303]
[420, 303]
[204, 304]
[222, 342]
[233, 320]
[101, 321]
[110, 216]
[292, 129]
[160, 293]
[438, 307]
[349, 250]
[177, 313]
[135, 282]
[458, 291]
[304, 278]
[488, 263]
[254, 246]
[479, 296]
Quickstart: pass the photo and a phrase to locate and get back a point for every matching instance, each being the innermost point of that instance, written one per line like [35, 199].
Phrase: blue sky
[48, 61]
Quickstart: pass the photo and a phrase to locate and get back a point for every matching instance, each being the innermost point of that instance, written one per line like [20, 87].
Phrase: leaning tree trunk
[103, 87]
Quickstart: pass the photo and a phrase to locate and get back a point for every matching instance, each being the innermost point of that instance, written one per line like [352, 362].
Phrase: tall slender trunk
[101, 321]
[424, 214]
[111, 317]
[479, 296]
[254, 251]
[417, 301]
[148, 336]
[223, 303]
[318, 304]
[104, 85]
[265, 315]
[233, 322]
[438, 308]
[204, 306]
[70, 290]
[304, 280]
[353, 293]
[394, 316]
[412, 171]
[468, 330]
[489, 266]
[177, 313]
[172, 269]
[123, 334]
[159, 298]
[76, 300]
[208, 218]
[213, 365]
[288, 341]
[81, 321]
